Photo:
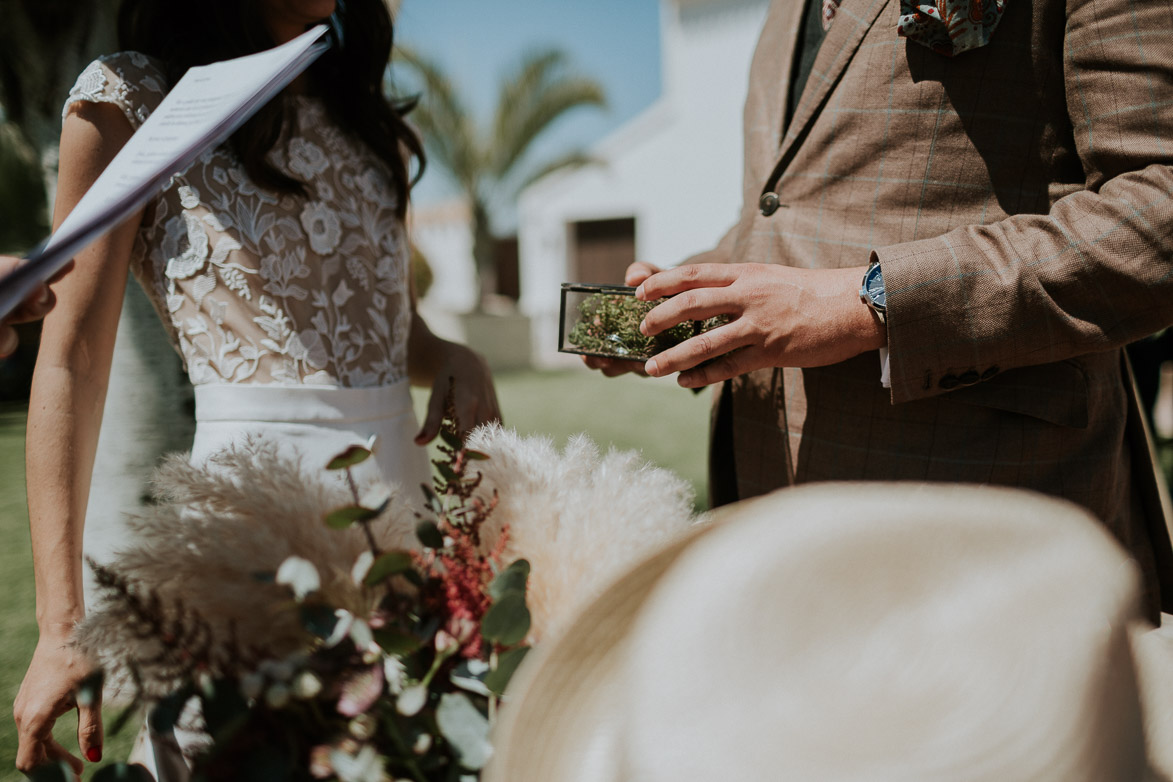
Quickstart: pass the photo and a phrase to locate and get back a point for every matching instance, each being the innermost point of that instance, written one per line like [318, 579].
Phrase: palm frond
[535, 70]
[537, 95]
[566, 162]
[442, 120]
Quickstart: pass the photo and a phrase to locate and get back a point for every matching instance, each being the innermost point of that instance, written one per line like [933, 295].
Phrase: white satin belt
[315, 423]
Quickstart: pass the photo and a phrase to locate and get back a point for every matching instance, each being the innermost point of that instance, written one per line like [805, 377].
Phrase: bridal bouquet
[305, 625]
[395, 675]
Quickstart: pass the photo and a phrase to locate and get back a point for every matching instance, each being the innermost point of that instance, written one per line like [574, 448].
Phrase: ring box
[603, 320]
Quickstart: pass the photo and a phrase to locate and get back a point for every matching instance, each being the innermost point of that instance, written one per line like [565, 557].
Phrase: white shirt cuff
[885, 371]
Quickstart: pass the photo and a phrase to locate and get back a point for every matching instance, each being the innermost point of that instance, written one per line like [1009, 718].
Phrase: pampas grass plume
[579, 517]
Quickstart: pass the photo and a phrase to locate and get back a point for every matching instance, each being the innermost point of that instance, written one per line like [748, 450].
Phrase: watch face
[874, 284]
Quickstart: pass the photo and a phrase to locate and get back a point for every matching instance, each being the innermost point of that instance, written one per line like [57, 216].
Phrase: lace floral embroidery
[260, 288]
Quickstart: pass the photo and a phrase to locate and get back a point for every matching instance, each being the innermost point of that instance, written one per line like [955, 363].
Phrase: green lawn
[666, 423]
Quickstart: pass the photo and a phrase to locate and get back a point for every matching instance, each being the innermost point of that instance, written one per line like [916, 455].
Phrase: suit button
[949, 381]
[768, 204]
[989, 373]
[969, 377]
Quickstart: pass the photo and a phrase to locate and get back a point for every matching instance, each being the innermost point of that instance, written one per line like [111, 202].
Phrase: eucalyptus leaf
[395, 642]
[132, 709]
[511, 579]
[507, 621]
[122, 772]
[470, 675]
[473, 667]
[361, 567]
[446, 472]
[451, 439]
[433, 502]
[466, 729]
[476, 456]
[429, 535]
[345, 516]
[355, 454]
[265, 763]
[164, 714]
[475, 686]
[318, 619]
[389, 564]
[223, 705]
[411, 700]
[300, 575]
[507, 662]
[89, 691]
[52, 772]
[363, 766]
[360, 634]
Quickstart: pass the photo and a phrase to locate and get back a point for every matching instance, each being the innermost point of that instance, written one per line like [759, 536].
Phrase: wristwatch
[871, 292]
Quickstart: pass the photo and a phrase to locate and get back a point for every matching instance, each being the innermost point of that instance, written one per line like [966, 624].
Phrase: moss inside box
[608, 325]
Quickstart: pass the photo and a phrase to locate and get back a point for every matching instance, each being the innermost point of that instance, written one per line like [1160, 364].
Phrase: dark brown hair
[348, 78]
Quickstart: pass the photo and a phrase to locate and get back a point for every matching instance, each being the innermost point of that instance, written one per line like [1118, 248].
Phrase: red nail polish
[94, 754]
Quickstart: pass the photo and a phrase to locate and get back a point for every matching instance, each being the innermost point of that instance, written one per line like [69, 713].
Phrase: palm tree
[491, 165]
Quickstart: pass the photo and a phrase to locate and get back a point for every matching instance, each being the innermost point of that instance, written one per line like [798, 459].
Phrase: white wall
[441, 232]
[676, 168]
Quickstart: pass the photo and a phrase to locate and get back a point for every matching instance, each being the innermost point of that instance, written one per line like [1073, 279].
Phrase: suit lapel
[852, 22]
[778, 44]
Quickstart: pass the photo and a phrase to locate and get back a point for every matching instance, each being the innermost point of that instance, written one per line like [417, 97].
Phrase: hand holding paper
[35, 307]
[201, 110]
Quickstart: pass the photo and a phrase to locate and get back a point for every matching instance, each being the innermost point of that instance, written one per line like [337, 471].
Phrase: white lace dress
[291, 312]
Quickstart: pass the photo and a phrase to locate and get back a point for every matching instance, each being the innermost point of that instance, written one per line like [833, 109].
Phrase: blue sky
[477, 42]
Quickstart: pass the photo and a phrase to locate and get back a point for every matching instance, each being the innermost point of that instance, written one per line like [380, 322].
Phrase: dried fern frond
[203, 549]
[578, 516]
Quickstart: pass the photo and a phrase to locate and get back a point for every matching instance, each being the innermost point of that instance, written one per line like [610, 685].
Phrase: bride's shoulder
[131, 80]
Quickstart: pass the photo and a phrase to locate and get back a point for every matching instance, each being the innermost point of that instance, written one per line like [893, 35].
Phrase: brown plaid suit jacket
[1020, 200]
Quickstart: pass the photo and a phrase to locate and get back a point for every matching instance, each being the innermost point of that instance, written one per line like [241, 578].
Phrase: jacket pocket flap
[1057, 393]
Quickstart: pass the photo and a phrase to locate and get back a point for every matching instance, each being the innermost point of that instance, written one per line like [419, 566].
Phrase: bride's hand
[466, 374]
[47, 692]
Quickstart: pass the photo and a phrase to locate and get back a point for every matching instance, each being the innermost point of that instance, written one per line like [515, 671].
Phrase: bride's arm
[65, 413]
[449, 366]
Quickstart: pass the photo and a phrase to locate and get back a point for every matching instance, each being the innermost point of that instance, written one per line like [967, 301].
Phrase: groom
[1001, 172]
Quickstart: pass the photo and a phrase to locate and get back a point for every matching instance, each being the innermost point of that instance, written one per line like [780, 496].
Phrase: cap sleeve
[129, 80]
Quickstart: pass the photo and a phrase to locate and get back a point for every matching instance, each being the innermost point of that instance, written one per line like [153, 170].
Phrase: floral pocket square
[950, 27]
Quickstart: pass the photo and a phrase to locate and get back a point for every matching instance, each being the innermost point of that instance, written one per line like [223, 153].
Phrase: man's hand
[613, 367]
[34, 307]
[47, 693]
[779, 317]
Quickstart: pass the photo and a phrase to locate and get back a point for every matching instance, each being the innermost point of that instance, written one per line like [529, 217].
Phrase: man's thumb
[638, 272]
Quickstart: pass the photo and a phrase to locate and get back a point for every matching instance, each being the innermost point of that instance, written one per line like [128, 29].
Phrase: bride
[278, 264]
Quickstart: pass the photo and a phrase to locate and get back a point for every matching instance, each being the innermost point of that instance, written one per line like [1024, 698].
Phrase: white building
[670, 182]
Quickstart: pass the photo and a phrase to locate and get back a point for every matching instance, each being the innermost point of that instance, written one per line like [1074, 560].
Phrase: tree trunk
[483, 253]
